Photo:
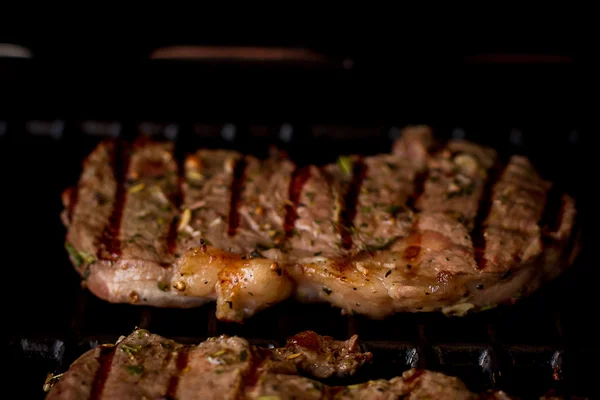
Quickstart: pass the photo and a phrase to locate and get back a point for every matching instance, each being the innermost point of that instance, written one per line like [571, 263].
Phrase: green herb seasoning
[76, 257]
[327, 290]
[383, 246]
[318, 253]
[131, 350]
[135, 369]
[345, 164]
[164, 286]
[243, 355]
[393, 209]
[79, 257]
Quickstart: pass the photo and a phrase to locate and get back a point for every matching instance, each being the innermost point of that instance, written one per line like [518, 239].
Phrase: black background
[420, 72]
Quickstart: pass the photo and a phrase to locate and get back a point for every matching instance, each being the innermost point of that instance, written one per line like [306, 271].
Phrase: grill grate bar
[503, 350]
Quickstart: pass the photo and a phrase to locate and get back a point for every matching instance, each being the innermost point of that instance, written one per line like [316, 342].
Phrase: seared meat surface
[147, 366]
[143, 365]
[430, 226]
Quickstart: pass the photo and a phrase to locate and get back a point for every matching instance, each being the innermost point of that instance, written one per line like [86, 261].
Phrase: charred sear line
[297, 182]
[419, 188]
[180, 365]
[105, 361]
[348, 212]
[177, 200]
[236, 189]
[484, 209]
[110, 242]
[553, 213]
[73, 198]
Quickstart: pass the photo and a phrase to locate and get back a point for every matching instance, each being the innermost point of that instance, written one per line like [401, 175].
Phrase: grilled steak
[143, 365]
[430, 226]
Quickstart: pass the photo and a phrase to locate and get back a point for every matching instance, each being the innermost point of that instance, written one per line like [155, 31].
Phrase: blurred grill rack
[546, 342]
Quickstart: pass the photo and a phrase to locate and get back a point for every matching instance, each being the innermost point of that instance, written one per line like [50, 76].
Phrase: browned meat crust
[425, 228]
[143, 365]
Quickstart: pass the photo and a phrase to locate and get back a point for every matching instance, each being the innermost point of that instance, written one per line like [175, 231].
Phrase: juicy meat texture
[430, 226]
[148, 366]
[144, 365]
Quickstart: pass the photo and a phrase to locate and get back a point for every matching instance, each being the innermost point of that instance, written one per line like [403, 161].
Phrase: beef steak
[430, 226]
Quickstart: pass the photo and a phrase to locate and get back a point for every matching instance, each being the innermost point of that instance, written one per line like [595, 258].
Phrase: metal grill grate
[546, 342]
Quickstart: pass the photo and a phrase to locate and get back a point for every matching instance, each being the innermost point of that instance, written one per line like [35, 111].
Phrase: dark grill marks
[348, 212]
[177, 200]
[299, 178]
[553, 213]
[105, 360]
[180, 364]
[110, 239]
[236, 190]
[419, 188]
[484, 209]
[413, 248]
[256, 363]
[73, 197]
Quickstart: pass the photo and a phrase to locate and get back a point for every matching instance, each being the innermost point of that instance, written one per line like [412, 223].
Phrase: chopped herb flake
[383, 246]
[51, 380]
[79, 257]
[318, 253]
[345, 164]
[135, 369]
[164, 286]
[366, 209]
[137, 188]
[251, 294]
[311, 196]
[131, 349]
[388, 273]
[393, 209]
[243, 355]
[327, 290]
